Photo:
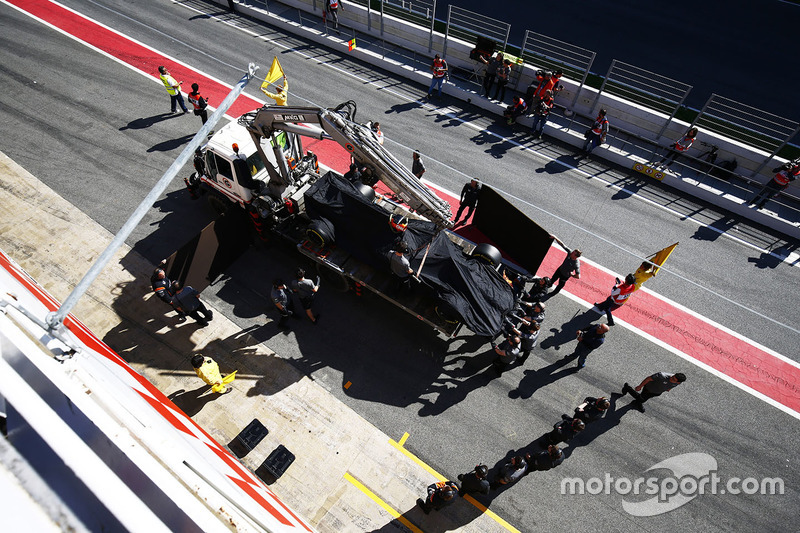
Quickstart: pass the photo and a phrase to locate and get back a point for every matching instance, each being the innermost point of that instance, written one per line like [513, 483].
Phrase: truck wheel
[219, 204]
[488, 254]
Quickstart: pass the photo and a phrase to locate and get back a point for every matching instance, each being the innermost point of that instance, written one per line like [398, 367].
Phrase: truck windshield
[255, 164]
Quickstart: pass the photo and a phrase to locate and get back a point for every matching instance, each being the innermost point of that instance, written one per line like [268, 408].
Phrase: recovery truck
[258, 164]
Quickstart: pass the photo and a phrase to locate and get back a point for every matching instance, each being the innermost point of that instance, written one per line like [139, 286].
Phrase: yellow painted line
[389, 509]
[417, 460]
[490, 514]
[403, 439]
[440, 477]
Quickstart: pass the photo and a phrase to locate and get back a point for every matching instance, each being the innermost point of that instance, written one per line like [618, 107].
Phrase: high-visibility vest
[598, 125]
[684, 144]
[622, 292]
[439, 66]
[782, 178]
[169, 82]
[194, 98]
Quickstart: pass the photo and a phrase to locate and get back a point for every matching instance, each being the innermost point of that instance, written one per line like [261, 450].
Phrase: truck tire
[488, 254]
[320, 232]
[219, 204]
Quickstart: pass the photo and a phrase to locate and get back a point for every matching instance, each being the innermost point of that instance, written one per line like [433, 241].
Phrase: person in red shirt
[619, 295]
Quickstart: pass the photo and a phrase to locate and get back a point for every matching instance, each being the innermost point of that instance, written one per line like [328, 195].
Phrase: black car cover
[473, 289]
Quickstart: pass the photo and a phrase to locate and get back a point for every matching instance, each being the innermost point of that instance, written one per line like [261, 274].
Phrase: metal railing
[645, 88]
[748, 125]
[545, 52]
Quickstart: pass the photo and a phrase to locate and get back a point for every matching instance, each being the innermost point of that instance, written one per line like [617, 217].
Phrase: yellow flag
[230, 377]
[650, 268]
[662, 255]
[275, 73]
[351, 44]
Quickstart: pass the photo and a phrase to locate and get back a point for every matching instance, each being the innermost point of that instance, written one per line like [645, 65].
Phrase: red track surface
[687, 333]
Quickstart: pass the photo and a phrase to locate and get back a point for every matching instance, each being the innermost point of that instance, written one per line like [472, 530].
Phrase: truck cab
[240, 177]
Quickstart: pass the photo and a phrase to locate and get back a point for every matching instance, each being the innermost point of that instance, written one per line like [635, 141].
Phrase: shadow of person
[559, 165]
[450, 518]
[192, 402]
[713, 231]
[594, 429]
[628, 187]
[568, 330]
[170, 144]
[452, 389]
[146, 122]
[773, 258]
[472, 343]
[401, 108]
[534, 380]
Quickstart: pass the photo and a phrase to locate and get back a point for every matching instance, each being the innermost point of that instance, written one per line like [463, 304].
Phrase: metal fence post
[775, 152]
[674, 112]
[603, 86]
[583, 81]
[433, 20]
[447, 31]
[382, 18]
[369, 16]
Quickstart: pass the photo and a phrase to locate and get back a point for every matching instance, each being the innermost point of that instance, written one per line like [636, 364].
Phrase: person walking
[680, 147]
[570, 268]
[417, 166]
[439, 69]
[469, 199]
[282, 300]
[440, 495]
[200, 103]
[492, 64]
[173, 88]
[474, 482]
[589, 339]
[332, 7]
[306, 290]
[281, 94]
[591, 409]
[188, 300]
[540, 113]
[507, 352]
[596, 135]
[651, 386]
[208, 370]
[618, 297]
[565, 430]
[547, 459]
[511, 472]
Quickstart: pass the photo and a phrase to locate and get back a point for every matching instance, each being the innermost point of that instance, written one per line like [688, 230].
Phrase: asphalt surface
[732, 49]
[97, 133]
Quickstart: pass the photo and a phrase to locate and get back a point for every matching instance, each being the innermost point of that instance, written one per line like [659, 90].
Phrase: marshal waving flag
[650, 268]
